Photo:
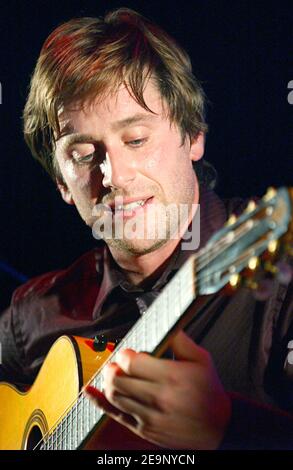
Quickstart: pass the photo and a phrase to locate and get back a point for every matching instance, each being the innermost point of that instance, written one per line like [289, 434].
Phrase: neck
[146, 267]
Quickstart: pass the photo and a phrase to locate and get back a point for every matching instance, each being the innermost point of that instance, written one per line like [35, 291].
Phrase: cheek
[78, 178]
[153, 161]
[69, 171]
[162, 163]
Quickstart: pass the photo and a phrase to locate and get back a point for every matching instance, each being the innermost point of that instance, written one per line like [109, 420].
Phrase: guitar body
[27, 416]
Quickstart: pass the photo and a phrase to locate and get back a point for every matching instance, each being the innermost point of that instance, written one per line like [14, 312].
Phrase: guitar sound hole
[34, 439]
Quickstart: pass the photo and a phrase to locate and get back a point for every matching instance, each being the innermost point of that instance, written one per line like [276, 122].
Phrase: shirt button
[141, 305]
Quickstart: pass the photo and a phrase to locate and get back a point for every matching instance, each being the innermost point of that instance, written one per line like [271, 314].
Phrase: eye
[136, 142]
[83, 159]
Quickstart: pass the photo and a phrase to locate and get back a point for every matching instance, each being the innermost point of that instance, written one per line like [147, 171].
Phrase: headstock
[254, 243]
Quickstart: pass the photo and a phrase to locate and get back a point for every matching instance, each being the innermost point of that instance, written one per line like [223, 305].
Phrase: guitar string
[204, 256]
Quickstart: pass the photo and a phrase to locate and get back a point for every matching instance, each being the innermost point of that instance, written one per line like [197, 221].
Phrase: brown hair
[86, 57]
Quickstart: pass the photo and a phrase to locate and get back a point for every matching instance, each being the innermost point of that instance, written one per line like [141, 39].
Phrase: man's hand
[175, 404]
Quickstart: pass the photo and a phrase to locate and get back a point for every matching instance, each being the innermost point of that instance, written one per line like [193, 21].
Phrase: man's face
[114, 148]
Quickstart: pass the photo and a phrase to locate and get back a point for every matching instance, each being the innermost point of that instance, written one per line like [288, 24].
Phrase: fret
[49, 441]
[68, 430]
[61, 434]
[61, 442]
[71, 429]
[86, 414]
[97, 414]
[82, 414]
[97, 382]
[176, 306]
[93, 413]
[134, 339]
[156, 321]
[44, 445]
[54, 436]
[58, 436]
[164, 313]
[179, 294]
[130, 341]
[178, 297]
[141, 334]
[74, 426]
[152, 329]
[144, 333]
[188, 283]
[81, 418]
[78, 423]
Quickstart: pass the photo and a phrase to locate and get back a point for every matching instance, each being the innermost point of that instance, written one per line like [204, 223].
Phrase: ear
[197, 147]
[65, 192]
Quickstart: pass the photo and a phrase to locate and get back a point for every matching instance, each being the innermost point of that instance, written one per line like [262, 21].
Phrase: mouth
[127, 208]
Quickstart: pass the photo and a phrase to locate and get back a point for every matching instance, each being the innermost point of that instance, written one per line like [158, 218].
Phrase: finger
[116, 382]
[143, 366]
[127, 411]
[185, 349]
[97, 397]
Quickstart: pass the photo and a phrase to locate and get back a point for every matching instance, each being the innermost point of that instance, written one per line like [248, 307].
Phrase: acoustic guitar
[55, 413]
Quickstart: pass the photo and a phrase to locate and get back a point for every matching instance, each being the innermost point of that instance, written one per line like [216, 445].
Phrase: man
[117, 118]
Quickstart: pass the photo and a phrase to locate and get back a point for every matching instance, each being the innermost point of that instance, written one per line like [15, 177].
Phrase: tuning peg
[233, 284]
[272, 246]
[231, 221]
[270, 194]
[250, 206]
[234, 280]
[253, 263]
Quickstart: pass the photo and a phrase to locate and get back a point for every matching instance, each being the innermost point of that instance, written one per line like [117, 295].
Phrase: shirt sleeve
[11, 359]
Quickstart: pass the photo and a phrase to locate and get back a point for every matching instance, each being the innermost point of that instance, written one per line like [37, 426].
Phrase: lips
[128, 204]
[130, 208]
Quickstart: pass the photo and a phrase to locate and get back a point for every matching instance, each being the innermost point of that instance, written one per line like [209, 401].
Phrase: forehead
[111, 108]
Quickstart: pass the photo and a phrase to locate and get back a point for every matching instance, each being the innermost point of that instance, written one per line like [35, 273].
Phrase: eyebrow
[65, 141]
[74, 138]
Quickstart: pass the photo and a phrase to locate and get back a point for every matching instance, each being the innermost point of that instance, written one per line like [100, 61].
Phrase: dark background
[242, 53]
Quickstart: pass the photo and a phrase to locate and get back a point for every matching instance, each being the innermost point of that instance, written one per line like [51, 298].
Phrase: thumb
[185, 349]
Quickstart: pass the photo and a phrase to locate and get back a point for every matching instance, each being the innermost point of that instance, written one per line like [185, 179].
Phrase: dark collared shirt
[247, 339]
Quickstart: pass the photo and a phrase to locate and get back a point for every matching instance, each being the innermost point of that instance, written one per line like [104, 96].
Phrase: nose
[117, 169]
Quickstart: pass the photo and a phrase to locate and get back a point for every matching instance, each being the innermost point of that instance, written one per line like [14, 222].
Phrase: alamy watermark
[158, 221]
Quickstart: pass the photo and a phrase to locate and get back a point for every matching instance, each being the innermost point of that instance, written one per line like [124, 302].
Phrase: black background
[242, 53]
